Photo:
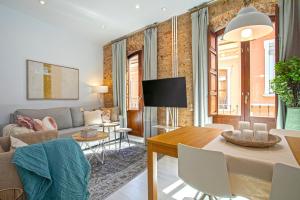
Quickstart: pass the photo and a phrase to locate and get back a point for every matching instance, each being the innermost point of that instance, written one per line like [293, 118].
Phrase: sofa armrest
[5, 143]
[29, 138]
[9, 176]
[37, 137]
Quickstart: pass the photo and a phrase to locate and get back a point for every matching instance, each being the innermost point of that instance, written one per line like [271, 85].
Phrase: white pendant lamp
[249, 24]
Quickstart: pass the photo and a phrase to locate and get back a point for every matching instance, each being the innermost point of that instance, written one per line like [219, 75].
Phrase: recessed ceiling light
[42, 2]
[163, 8]
[137, 6]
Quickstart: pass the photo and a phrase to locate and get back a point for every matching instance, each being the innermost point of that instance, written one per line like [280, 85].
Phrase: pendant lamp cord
[247, 3]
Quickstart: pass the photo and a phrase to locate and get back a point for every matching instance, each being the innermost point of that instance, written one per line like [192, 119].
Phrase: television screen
[169, 92]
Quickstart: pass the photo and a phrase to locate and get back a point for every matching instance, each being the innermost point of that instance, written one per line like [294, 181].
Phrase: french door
[134, 94]
[244, 74]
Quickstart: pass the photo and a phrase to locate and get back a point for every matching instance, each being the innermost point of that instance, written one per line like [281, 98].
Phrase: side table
[99, 137]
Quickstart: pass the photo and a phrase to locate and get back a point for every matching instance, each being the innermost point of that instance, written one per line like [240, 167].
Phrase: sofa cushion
[25, 121]
[106, 116]
[114, 113]
[16, 143]
[77, 116]
[14, 129]
[49, 123]
[37, 137]
[62, 115]
[92, 117]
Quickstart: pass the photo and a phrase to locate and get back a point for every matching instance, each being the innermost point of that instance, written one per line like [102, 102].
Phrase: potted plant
[286, 85]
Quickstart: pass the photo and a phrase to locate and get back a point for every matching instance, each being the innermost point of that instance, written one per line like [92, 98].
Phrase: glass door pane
[133, 83]
[229, 77]
[262, 61]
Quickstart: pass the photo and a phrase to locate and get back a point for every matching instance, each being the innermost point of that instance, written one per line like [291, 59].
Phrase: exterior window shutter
[212, 74]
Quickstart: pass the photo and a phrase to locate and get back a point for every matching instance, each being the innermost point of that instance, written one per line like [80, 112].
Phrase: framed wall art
[51, 82]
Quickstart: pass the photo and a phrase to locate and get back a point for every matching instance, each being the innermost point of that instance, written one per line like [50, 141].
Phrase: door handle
[247, 97]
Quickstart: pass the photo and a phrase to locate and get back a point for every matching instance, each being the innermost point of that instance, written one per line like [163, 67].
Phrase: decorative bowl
[234, 139]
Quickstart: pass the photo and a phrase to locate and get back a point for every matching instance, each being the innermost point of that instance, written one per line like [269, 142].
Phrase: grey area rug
[119, 168]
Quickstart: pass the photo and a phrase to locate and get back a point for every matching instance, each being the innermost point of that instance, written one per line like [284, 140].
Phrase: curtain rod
[156, 23]
[132, 33]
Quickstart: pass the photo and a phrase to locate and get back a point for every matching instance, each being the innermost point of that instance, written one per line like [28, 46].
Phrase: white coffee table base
[96, 150]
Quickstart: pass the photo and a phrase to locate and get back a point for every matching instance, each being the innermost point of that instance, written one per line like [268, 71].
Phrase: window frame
[268, 66]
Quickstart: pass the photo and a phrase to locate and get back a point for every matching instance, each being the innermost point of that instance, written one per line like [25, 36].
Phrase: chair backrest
[285, 183]
[204, 170]
[224, 127]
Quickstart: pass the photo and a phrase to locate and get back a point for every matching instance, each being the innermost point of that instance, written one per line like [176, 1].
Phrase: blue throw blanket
[56, 170]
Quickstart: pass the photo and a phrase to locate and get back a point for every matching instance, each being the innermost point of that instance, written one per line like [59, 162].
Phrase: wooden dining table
[166, 144]
[257, 163]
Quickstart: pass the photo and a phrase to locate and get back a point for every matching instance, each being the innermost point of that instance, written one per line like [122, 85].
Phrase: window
[133, 83]
[245, 71]
[262, 61]
[224, 89]
[229, 77]
[269, 46]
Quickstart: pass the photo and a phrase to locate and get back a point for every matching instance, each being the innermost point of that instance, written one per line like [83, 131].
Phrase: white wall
[23, 37]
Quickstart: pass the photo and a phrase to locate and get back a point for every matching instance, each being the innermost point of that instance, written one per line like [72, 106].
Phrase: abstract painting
[51, 82]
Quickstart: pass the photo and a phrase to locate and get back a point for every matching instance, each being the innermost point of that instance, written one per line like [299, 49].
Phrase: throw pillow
[25, 121]
[15, 129]
[106, 116]
[16, 143]
[114, 113]
[49, 123]
[38, 125]
[92, 117]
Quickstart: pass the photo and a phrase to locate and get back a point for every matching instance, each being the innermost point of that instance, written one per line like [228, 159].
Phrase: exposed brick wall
[219, 15]
[164, 59]
[107, 75]
[186, 66]
[135, 43]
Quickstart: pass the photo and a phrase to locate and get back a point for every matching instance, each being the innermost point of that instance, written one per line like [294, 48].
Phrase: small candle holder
[247, 134]
[244, 125]
[261, 136]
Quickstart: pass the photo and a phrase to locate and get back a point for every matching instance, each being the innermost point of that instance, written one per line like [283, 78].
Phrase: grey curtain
[200, 66]
[119, 79]
[150, 72]
[289, 40]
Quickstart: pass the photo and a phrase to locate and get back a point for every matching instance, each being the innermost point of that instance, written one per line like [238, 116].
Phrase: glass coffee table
[85, 143]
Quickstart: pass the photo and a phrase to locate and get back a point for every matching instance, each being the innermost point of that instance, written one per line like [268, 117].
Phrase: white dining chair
[224, 127]
[205, 171]
[285, 183]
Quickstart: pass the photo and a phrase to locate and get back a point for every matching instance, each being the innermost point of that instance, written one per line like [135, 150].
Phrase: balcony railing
[256, 110]
[262, 110]
[228, 109]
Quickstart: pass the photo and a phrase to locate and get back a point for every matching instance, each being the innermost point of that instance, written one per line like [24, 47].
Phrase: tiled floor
[170, 187]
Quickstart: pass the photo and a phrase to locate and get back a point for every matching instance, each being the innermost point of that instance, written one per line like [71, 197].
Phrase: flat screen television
[168, 92]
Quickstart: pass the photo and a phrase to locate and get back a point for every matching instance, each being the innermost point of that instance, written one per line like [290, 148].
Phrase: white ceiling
[87, 17]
